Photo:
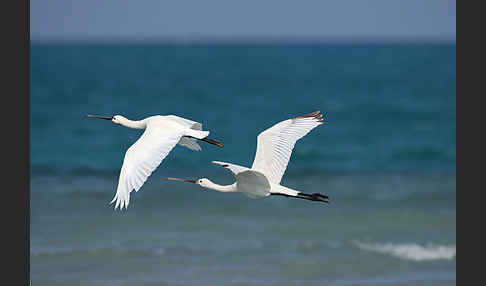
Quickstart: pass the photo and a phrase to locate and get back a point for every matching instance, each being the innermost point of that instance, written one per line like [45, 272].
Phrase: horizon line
[243, 39]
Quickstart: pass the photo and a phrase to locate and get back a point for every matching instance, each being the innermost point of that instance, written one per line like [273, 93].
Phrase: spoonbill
[274, 147]
[162, 133]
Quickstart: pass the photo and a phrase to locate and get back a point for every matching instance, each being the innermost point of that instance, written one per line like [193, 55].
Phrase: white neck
[220, 188]
[135, 124]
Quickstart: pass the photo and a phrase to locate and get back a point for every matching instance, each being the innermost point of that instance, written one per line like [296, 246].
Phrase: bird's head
[203, 182]
[118, 119]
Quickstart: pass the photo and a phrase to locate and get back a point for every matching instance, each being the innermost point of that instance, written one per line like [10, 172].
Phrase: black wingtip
[317, 115]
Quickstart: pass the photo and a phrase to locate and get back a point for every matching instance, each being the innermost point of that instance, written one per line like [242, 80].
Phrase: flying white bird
[274, 147]
[162, 133]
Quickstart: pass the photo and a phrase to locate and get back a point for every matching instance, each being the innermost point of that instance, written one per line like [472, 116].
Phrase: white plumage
[161, 135]
[275, 145]
[274, 148]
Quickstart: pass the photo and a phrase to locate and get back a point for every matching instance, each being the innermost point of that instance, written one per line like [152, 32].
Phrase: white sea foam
[411, 251]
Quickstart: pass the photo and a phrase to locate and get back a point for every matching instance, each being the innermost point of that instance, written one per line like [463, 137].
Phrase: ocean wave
[116, 250]
[411, 251]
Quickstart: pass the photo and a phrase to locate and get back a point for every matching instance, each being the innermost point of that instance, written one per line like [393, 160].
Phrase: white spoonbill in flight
[162, 133]
[274, 147]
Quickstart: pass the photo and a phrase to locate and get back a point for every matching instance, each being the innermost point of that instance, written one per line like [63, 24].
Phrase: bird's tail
[198, 134]
[202, 135]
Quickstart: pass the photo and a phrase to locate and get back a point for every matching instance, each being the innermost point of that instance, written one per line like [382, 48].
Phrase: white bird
[274, 147]
[162, 133]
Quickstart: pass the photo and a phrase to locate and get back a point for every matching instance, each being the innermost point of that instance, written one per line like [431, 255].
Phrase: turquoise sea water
[386, 157]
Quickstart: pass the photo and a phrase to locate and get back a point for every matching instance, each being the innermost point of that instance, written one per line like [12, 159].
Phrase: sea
[385, 156]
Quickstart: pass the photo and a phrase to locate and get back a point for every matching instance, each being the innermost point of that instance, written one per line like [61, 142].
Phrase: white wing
[186, 122]
[190, 143]
[142, 158]
[234, 169]
[274, 145]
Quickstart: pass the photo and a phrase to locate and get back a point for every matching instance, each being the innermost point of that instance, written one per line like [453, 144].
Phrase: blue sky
[228, 19]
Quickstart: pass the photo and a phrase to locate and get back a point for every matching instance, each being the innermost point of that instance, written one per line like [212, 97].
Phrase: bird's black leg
[311, 197]
[210, 141]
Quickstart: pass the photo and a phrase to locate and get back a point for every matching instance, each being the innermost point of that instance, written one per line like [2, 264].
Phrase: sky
[230, 19]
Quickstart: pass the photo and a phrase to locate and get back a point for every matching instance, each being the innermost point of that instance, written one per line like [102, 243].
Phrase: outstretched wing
[141, 159]
[274, 145]
[234, 169]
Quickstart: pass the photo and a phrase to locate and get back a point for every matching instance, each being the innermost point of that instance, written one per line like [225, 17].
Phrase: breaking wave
[411, 251]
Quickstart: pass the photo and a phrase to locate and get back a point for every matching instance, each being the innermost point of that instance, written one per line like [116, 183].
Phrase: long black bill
[181, 180]
[100, 117]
